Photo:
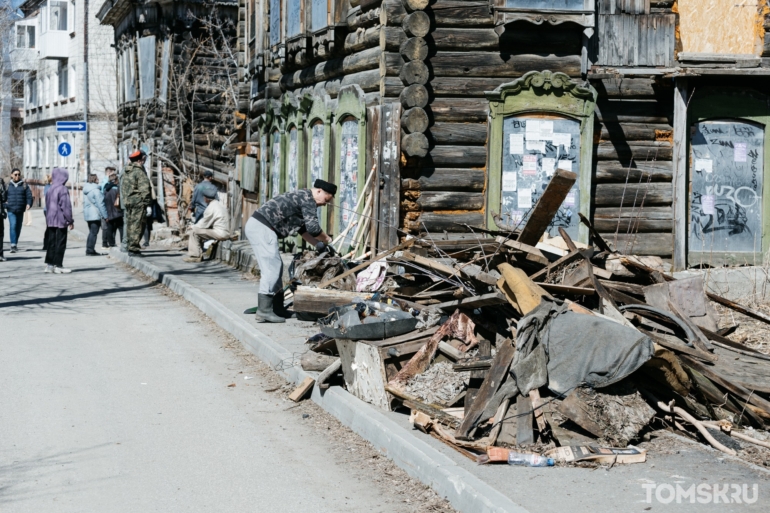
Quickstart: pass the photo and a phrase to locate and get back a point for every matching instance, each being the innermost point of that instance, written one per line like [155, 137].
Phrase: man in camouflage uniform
[288, 214]
[135, 199]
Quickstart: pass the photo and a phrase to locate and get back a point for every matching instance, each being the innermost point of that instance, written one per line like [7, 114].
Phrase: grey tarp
[564, 349]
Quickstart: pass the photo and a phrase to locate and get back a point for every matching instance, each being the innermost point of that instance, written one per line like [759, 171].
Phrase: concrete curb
[463, 490]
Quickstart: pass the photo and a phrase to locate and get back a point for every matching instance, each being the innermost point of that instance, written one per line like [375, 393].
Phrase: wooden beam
[493, 298]
[680, 174]
[547, 206]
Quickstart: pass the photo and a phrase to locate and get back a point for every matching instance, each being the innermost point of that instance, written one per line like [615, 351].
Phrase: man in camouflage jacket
[135, 199]
[291, 213]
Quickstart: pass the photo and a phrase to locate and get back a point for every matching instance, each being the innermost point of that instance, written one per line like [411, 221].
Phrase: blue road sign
[71, 126]
[65, 149]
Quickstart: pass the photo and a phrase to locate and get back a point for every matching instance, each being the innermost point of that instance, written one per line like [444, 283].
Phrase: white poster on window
[549, 166]
[704, 165]
[533, 130]
[565, 165]
[546, 130]
[525, 198]
[538, 146]
[562, 139]
[529, 165]
[707, 203]
[509, 181]
[517, 144]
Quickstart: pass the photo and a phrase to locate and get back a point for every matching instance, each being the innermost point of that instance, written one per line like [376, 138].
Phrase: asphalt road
[115, 398]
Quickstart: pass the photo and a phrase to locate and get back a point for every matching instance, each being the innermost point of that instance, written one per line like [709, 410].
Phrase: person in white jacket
[214, 225]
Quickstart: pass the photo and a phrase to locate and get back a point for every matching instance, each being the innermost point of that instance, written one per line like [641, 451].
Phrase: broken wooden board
[554, 266]
[568, 290]
[574, 409]
[525, 434]
[471, 303]
[533, 254]
[477, 376]
[302, 390]
[495, 377]
[547, 206]
[527, 294]
[319, 301]
[364, 372]
[311, 361]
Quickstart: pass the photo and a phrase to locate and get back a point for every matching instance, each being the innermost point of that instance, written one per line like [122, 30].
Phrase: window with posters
[317, 115]
[539, 123]
[275, 163]
[350, 128]
[263, 170]
[292, 159]
[728, 211]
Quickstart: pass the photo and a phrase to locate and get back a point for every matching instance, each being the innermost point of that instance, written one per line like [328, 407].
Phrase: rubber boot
[279, 308]
[265, 310]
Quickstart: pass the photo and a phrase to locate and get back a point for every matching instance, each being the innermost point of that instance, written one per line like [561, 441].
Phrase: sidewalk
[223, 293]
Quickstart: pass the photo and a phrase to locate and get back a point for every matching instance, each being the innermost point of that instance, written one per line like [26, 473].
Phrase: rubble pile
[540, 344]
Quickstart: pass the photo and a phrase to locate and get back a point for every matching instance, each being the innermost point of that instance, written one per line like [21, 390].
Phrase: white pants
[264, 242]
[200, 235]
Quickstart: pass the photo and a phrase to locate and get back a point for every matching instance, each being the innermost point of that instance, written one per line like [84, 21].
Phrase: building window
[47, 160]
[25, 36]
[164, 64]
[540, 123]
[64, 78]
[275, 22]
[147, 67]
[130, 74]
[293, 17]
[320, 15]
[57, 15]
[32, 92]
[46, 90]
[275, 164]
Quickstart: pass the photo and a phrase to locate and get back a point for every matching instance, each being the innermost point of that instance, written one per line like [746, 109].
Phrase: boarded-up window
[348, 173]
[720, 26]
[147, 67]
[293, 17]
[275, 22]
[319, 14]
[726, 194]
[533, 148]
[292, 162]
[164, 64]
[130, 74]
[263, 169]
[275, 164]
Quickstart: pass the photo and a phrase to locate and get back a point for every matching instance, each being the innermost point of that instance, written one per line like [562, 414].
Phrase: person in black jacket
[3, 197]
[19, 201]
[114, 213]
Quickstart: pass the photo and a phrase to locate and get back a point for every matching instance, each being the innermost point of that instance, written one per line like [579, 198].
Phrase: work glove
[320, 247]
[149, 211]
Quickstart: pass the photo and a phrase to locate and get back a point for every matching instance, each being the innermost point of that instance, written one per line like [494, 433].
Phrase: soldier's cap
[209, 192]
[137, 155]
[325, 186]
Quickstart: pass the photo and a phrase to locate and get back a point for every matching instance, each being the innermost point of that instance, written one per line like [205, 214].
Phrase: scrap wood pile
[522, 341]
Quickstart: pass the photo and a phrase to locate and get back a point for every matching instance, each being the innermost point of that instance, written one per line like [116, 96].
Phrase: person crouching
[214, 225]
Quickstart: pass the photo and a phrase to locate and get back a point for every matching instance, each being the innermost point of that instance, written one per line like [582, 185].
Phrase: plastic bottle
[529, 460]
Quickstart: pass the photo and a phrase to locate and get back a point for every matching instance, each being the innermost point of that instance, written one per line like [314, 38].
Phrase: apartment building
[49, 56]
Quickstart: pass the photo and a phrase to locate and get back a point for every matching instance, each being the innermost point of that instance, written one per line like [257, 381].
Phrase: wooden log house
[464, 109]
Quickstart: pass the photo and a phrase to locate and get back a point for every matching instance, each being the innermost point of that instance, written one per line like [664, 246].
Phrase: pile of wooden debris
[538, 343]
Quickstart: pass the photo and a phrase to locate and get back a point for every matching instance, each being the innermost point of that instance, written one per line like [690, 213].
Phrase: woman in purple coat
[58, 216]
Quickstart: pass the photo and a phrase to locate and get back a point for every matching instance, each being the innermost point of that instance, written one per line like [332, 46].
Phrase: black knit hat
[325, 186]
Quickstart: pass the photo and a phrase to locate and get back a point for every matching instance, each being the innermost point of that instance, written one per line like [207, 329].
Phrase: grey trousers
[264, 242]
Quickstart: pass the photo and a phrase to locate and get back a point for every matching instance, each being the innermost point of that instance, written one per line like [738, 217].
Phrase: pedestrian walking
[198, 204]
[3, 215]
[114, 212]
[19, 200]
[93, 211]
[135, 197]
[58, 218]
[46, 188]
[288, 214]
[214, 225]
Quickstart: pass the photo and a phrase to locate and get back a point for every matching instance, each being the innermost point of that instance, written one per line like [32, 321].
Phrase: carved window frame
[541, 93]
[351, 102]
[291, 112]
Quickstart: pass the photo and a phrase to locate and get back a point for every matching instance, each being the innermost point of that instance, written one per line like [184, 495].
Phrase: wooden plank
[495, 377]
[364, 372]
[568, 290]
[547, 206]
[574, 409]
[477, 376]
[313, 300]
[302, 390]
[444, 179]
[524, 433]
[533, 254]
[622, 171]
[611, 194]
[739, 308]
[733, 388]
[494, 64]
[680, 197]
[390, 175]
[493, 298]
[403, 338]
[566, 259]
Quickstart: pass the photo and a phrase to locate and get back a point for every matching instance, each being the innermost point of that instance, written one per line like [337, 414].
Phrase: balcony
[55, 44]
[24, 52]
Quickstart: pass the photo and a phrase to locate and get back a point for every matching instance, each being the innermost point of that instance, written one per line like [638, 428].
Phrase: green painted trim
[351, 101]
[317, 108]
[715, 103]
[541, 93]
